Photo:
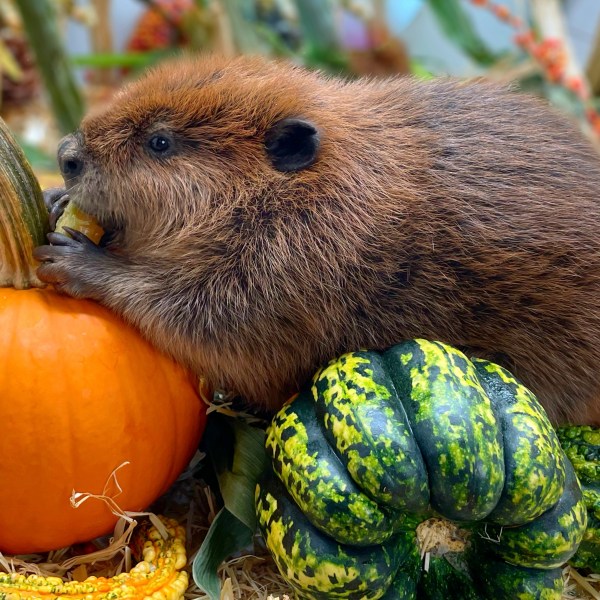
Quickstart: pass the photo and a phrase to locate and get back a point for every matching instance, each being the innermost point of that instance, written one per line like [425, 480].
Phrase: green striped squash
[381, 441]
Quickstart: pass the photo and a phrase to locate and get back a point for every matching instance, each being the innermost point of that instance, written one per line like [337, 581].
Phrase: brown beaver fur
[292, 217]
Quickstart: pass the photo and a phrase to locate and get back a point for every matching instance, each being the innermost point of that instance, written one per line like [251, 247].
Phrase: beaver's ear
[292, 144]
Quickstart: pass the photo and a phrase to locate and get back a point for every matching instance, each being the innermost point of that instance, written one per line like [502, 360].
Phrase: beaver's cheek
[90, 193]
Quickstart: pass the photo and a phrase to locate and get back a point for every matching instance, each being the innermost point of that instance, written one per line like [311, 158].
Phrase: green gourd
[381, 441]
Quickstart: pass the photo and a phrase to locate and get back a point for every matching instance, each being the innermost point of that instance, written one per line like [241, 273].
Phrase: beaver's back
[452, 211]
[499, 244]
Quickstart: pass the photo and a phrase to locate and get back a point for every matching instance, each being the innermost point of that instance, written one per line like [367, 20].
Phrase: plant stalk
[241, 15]
[23, 216]
[317, 20]
[41, 25]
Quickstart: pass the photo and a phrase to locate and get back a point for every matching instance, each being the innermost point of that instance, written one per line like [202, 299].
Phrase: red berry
[501, 11]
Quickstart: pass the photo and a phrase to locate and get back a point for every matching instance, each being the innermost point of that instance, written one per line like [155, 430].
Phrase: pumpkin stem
[23, 216]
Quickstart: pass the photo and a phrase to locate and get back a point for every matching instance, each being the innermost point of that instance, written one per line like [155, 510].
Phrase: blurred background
[59, 57]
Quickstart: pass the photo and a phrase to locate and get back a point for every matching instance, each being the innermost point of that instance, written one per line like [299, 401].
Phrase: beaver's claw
[55, 199]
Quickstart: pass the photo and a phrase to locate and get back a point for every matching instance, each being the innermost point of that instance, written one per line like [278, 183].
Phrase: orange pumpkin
[81, 393]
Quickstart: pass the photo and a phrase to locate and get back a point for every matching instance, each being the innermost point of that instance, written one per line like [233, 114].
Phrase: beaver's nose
[70, 157]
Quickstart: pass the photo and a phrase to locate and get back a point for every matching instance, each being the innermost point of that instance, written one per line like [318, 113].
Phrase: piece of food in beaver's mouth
[75, 218]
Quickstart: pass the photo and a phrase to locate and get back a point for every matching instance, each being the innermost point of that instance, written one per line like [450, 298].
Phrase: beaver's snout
[70, 157]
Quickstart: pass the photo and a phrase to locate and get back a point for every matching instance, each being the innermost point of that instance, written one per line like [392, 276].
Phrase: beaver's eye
[159, 144]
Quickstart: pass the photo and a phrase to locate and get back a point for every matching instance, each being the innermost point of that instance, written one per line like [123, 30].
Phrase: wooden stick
[549, 17]
[102, 41]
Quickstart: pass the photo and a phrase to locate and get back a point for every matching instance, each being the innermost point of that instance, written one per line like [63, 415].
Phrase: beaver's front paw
[73, 265]
[55, 199]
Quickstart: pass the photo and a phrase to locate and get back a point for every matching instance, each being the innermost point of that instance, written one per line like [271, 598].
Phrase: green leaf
[418, 69]
[120, 60]
[237, 452]
[226, 535]
[238, 467]
[457, 25]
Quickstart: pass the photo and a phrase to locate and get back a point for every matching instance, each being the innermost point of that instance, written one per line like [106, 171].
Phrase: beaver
[264, 218]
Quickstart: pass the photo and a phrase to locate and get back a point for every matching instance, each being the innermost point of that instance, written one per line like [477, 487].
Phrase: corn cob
[158, 576]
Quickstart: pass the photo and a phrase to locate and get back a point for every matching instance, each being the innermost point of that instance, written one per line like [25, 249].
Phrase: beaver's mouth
[57, 199]
[113, 230]
[94, 206]
[113, 235]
